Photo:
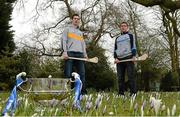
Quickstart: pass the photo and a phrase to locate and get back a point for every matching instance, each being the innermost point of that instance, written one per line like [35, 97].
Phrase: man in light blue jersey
[125, 48]
[74, 46]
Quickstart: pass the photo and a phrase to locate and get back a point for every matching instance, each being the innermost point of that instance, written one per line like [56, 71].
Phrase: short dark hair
[74, 15]
[123, 23]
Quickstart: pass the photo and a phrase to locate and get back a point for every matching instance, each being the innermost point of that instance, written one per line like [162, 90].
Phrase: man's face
[124, 27]
[76, 20]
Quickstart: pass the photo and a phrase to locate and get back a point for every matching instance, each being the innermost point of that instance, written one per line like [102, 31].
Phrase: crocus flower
[155, 103]
[111, 113]
[157, 95]
[135, 107]
[168, 112]
[142, 108]
[34, 115]
[142, 98]
[132, 101]
[88, 105]
[64, 102]
[98, 101]
[76, 105]
[56, 112]
[104, 110]
[163, 108]
[107, 98]
[0, 107]
[89, 97]
[42, 112]
[174, 110]
[54, 102]
[26, 103]
[85, 97]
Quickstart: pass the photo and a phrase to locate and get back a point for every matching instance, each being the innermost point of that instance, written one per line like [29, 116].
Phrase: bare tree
[170, 29]
[169, 4]
[96, 18]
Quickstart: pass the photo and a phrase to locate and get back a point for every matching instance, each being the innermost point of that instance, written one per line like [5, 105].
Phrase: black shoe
[120, 93]
[84, 92]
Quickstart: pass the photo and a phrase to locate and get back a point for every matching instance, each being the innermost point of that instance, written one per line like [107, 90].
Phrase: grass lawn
[98, 104]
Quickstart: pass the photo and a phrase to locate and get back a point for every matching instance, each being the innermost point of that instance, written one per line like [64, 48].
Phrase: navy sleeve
[133, 45]
[115, 47]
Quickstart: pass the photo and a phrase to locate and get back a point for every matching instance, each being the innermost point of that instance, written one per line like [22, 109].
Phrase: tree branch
[48, 29]
[170, 4]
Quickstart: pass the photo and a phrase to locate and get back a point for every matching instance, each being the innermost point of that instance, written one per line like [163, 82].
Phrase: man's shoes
[84, 92]
[121, 93]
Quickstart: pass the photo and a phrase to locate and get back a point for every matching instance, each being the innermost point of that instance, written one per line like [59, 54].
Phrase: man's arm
[115, 54]
[115, 47]
[133, 45]
[64, 42]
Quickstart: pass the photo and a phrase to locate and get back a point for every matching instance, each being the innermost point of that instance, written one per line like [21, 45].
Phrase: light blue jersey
[125, 46]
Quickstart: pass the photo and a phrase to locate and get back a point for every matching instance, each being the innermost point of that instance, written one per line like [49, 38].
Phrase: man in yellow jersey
[74, 46]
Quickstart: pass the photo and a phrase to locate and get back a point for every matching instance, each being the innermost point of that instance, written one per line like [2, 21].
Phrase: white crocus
[26, 103]
[98, 101]
[89, 97]
[151, 100]
[107, 99]
[142, 98]
[34, 115]
[168, 112]
[51, 110]
[135, 107]
[132, 101]
[88, 105]
[142, 108]
[157, 95]
[142, 111]
[173, 110]
[133, 97]
[84, 96]
[64, 102]
[104, 110]
[0, 107]
[155, 103]
[42, 112]
[163, 108]
[54, 102]
[131, 104]
[111, 113]
[56, 112]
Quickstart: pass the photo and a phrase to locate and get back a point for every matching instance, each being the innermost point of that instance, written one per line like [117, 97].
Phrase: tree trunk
[172, 42]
